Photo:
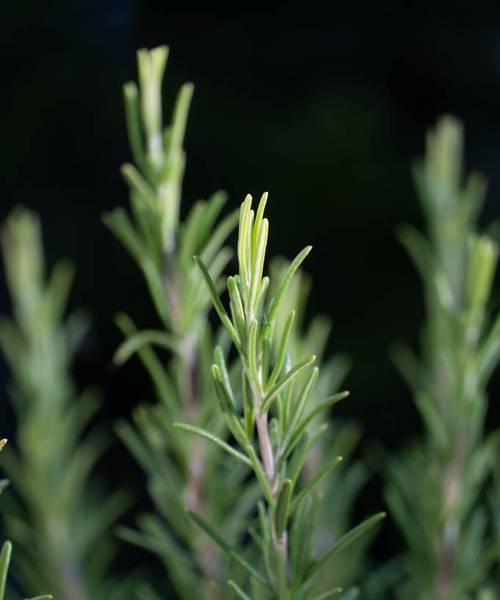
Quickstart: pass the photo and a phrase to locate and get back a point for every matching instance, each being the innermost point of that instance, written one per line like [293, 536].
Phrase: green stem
[266, 450]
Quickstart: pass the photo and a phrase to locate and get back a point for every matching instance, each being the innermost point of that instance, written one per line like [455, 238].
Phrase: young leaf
[221, 363]
[303, 398]
[131, 97]
[222, 392]
[282, 349]
[259, 258]
[290, 272]
[221, 311]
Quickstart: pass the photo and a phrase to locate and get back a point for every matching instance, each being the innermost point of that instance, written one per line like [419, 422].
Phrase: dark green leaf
[283, 507]
[218, 539]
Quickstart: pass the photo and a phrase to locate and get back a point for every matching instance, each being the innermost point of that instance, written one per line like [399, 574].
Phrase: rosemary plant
[344, 483]
[275, 428]
[434, 488]
[58, 523]
[180, 472]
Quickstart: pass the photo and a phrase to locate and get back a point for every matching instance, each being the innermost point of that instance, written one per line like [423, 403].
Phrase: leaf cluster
[435, 487]
[58, 521]
[181, 472]
[277, 426]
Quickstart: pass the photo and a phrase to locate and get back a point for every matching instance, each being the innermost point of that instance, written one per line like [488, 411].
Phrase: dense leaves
[57, 520]
[434, 487]
[276, 419]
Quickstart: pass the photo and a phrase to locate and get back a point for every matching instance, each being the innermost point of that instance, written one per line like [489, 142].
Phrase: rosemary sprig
[278, 408]
[59, 525]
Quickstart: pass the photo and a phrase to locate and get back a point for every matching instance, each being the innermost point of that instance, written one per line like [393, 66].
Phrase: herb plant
[435, 487]
[272, 421]
[188, 472]
[340, 489]
[181, 472]
[249, 496]
[57, 520]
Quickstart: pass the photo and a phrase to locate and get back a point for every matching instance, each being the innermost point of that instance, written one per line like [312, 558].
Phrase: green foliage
[278, 424]
[189, 471]
[56, 519]
[251, 494]
[182, 471]
[434, 489]
[344, 483]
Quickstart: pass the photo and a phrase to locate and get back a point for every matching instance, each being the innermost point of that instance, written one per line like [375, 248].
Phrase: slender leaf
[284, 381]
[344, 542]
[239, 592]
[5, 555]
[283, 507]
[218, 539]
[321, 474]
[290, 272]
[144, 338]
[221, 311]
[216, 440]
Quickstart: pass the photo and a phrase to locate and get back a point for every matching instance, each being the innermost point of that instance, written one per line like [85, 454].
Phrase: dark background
[323, 104]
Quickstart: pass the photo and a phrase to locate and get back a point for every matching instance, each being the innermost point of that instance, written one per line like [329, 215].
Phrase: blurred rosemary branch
[434, 487]
[57, 519]
[6, 551]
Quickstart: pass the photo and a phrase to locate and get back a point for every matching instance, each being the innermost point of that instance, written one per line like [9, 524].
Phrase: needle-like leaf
[239, 592]
[284, 381]
[5, 555]
[344, 542]
[221, 311]
[292, 269]
[321, 474]
[216, 440]
[143, 338]
[217, 537]
[283, 507]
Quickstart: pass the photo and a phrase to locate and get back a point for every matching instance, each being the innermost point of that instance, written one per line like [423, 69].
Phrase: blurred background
[324, 105]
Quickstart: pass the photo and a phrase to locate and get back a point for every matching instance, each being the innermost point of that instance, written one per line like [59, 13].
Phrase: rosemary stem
[269, 462]
[266, 449]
